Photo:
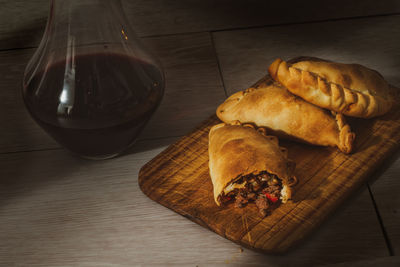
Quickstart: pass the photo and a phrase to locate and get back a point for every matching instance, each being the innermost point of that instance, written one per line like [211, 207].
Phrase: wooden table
[60, 210]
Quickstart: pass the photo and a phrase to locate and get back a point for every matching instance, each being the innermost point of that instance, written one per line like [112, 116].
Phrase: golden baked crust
[274, 107]
[350, 89]
[236, 150]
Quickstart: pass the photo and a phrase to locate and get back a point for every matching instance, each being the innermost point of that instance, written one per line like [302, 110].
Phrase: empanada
[351, 89]
[246, 165]
[274, 107]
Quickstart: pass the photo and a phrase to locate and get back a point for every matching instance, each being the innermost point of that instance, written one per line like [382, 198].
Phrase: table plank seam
[277, 25]
[380, 220]
[218, 62]
[17, 48]
[30, 150]
[247, 27]
[61, 148]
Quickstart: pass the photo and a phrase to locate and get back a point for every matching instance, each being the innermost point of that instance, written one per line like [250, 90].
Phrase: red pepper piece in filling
[272, 198]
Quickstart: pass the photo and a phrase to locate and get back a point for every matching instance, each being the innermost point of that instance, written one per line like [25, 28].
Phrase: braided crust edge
[325, 94]
[346, 136]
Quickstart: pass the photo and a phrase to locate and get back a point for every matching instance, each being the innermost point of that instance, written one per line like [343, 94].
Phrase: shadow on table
[22, 173]
[143, 145]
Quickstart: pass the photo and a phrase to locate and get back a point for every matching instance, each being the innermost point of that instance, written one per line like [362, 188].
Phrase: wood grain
[245, 55]
[386, 194]
[179, 179]
[192, 83]
[58, 210]
[392, 261]
[22, 22]
[18, 131]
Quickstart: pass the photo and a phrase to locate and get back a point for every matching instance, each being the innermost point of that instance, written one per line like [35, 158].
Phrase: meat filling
[263, 189]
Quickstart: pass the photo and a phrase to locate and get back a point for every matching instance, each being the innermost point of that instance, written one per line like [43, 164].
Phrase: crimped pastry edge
[346, 136]
[343, 100]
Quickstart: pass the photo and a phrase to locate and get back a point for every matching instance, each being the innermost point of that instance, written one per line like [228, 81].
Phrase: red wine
[96, 104]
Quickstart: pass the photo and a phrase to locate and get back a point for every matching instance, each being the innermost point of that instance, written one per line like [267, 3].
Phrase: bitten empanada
[350, 89]
[246, 166]
[287, 115]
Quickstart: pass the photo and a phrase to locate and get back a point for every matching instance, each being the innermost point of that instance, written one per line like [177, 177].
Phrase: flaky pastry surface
[274, 107]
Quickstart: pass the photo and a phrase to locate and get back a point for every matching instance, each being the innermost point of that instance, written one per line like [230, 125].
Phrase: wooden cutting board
[178, 178]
